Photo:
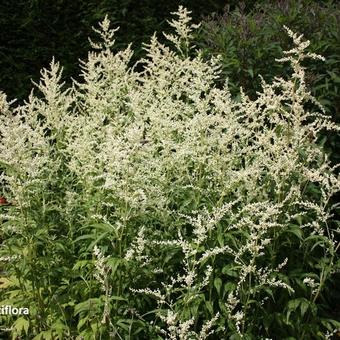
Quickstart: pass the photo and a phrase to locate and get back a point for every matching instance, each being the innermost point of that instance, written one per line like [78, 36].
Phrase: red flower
[3, 200]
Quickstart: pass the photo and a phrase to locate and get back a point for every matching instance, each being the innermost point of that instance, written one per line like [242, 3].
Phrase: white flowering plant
[152, 205]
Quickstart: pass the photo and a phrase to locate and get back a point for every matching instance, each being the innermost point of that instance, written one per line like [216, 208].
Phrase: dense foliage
[249, 42]
[32, 31]
[147, 203]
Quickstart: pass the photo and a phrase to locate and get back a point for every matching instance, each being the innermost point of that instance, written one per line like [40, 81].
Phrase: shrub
[149, 205]
[249, 42]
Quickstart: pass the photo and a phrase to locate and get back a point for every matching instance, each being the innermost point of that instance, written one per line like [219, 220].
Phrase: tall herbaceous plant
[151, 205]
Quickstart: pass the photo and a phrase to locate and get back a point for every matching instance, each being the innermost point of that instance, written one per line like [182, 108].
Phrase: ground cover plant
[152, 205]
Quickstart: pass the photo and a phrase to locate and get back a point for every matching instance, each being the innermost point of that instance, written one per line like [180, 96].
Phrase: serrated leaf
[47, 335]
[59, 328]
[21, 324]
[5, 283]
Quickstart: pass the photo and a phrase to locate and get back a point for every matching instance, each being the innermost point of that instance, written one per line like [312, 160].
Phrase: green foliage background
[32, 31]
[249, 40]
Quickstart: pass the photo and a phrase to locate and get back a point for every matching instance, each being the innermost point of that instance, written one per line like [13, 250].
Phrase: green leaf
[220, 239]
[209, 307]
[5, 283]
[81, 264]
[124, 324]
[304, 306]
[84, 237]
[117, 298]
[93, 243]
[114, 263]
[295, 230]
[59, 328]
[104, 227]
[90, 304]
[218, 285]
[82, 322]
[269, 291]
[331, 324]
[292, 306]
[45, 335]
[230, 270]
[229, 287]
[20, 325]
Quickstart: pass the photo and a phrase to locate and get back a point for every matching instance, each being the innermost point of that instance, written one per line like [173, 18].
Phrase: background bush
[249, 40]
[35, 30]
